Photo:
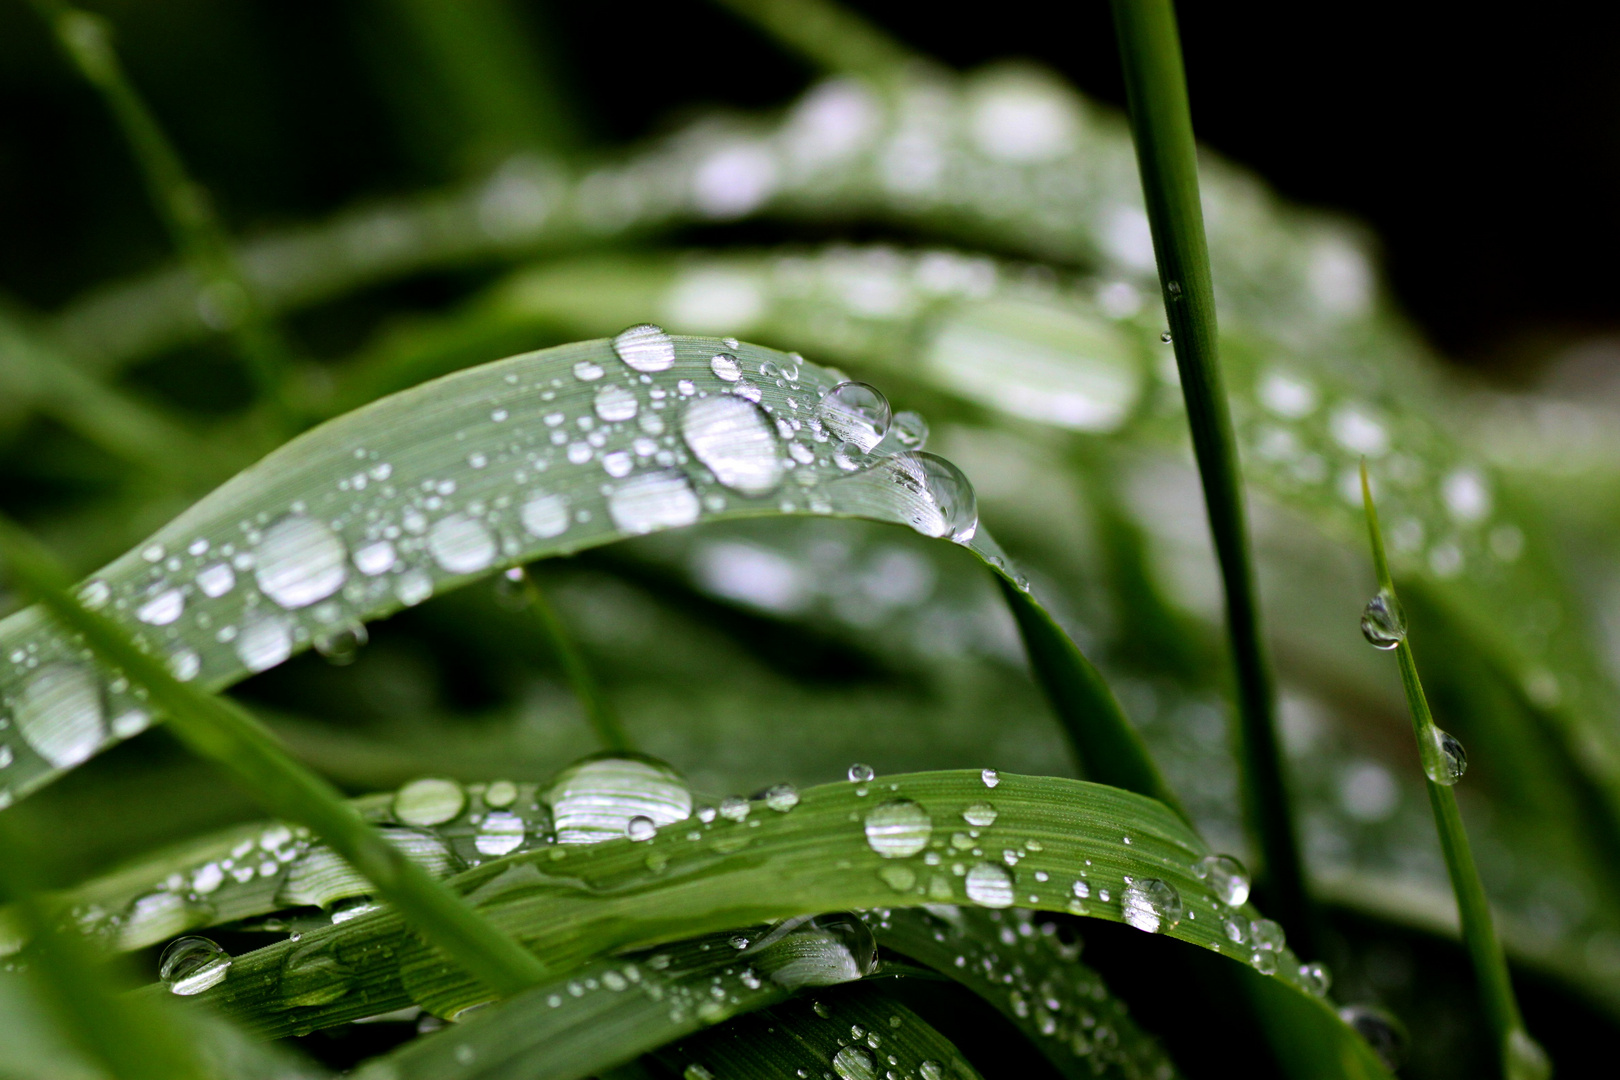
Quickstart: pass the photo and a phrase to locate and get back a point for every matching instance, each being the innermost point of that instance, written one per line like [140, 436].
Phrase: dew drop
[861, 774]
[734, 808]
[910, 430]
[594, 800]
[216, 579]
[853, 1063]
[461, 544]
[856, 413]
[1227, 878]
[645, 348]
[737, 442]
[264, 643]
[430, 800]
[500, 833]
[1444, 759]
[375, 558]
[1383, 623]
[501, 794]
[782, 797]
[1151, 905]
[299, 561]
[163, 608]
[933, 496]
[725, 367]
[587, 371]
[898, 828]
[545, 516]
[1315, 978]
[1165, 338]
[191, 965]
[641, 828]
[61, 715]
[654, 500]
[413, 587]
[990, 777]
[340, 645]
[1267, 934]
[988, 885]
[981, 814]
[932, 1070]
[615, 403]
[95, 593]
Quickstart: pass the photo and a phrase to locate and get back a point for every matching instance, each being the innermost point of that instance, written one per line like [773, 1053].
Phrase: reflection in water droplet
[545, 516]
[1267, 934]
[645, 348]
[1383, 623]
[264, 643]
[736, 440]
[1226, 877]
[933, 495]
[191, 965]
[299, 561]
[725, 367]
[853, 1063]
[861, 774]
[782, 797]
[910, 430]
[500, 833]
[981, 814]
[375, 558]
[163, 608]
[615, 403]
[855, 413]
[1385, 1034]
[654, 500]
[1151, 905]
[216, 579]
[461, 544]
[1444, 759]
[641, 828]
[595, 799]
[60, 714]
[430, 800]
[898, 828]
[988, 885]
[1315, 978]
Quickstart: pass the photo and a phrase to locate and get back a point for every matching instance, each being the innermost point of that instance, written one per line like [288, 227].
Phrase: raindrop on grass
[1165, 337]
[990, 777]
[1444, 759]
[853, 1063]
[1267, 934]
[782, 797]
[431, 800]
[725, 367]
[61, 715]
[989, 886]
[646, 348]
[191, 965]
[340, 645]
[500, 833]
[545, 516]
[264, 643]
[501, 794]
[216, 579]
[163, 608]
[595, 799]
[654, 500]
[1383, 623]
[898, 828]
[1151, 905]
[737, 442]
[299, 561]
[861, 774]
[1315, 978]
[856, 413]
[641, 828]
[588, 371]
[935, 498]
[615, 403]
[461, 544]
[1226, 877]
[981, 814]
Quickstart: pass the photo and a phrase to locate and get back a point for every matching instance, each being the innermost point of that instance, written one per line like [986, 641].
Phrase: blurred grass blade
[598, 710]
[224, 733]
[1443, 761]
[827, 34]
[1156, 88]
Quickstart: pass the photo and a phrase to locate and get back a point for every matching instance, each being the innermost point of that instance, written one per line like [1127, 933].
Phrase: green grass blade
[225, 734]
[598, 709]
[1156, 88]
[826, 34]
[1521, 1057]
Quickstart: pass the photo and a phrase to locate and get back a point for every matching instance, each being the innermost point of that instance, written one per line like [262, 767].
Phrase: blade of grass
[598, 710]
[223, 293]
[826, 35]
[224, 733]
[1161, 122]
[1521, 1057]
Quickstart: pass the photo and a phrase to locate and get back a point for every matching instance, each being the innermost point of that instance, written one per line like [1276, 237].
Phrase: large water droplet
[1385, 1034]
[595, 799]
[1383, 623]
[816, 951]
[216, 579]
[725, 367]
[430, 800]
[1151, 905]
[299, 561]
[615, 403]
[645, 348]
[989, 886]
[500, 833]
[781, 797]
[933, 496]
[736, 440]
[1444, 759]
[461, 544]
[60, 713]
[654, 500]
[854, 1063]
[545, 516]
[856, 413]
[982, 814]
[1523, 1058]
[898, 828]
[191, 965]
[1226, 877]
[264, 643]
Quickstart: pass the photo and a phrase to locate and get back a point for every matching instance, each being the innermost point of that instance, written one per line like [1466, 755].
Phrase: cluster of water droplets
[1383, 624]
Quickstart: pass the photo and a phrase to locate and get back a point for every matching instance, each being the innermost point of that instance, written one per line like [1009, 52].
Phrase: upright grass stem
[224, 733]
[224, 296]
[826, 35]
[1161, 121]
[604, 720]
[1521, 1057]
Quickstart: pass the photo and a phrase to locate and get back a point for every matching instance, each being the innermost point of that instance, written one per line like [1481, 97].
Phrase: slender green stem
[223, 294]
[824, 33]
[598, 710]
[223, 732]
[1520, 1055]
[1161, 121]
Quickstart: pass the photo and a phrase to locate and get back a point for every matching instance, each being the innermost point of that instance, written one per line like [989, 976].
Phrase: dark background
[1483, 148]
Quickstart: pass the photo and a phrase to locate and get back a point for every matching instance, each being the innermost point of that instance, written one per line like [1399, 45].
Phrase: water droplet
[654, 500]
[898, 876]
[853, 1063]
[94, 594]
[413, 587]
[932, 1070]
[737, 442]
[61, 715]
[981, 814]
[695, 1071]
[1165, 337]
[191, 965]
[1523, 1058]
[935, 498]
[1385, 1034]
[428, 801]
[856, 413]
[1226, 877]
[461, 544]
[989, 886]
[615, 403]
[645, 348]
[861, 774]
[1151, 905]
[299, 561]
[340, 645]
[782, 797]
[264, 643]
[725, 367]
[500, 833]
[641, 828]
[216, 579]
[910, 430]
[1444, 759]
[375, 558]
[734, 808]
[990, 777]
[1383, 623]
[163, 608]
[898, 828]
[587, 371]
[595, 799]
[545, 516]
[1316, 978]
[1264, 962]
[1267, 934]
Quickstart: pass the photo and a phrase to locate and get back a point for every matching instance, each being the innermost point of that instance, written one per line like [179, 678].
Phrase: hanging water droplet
[856, 413]
[1523, 1058]
[1227, 878]
[853, 1063]
[910, 430]
[60, 714]
[264, 643]
[1151, 905]
[545, 516]
[341, 644]
[1381, 1031]
[299, 561]
[737, 442]
[595, 799]
[782, 797]
[615, 403]
[1165, 337]
[641, 828]
[1315, 978]
[461, 544]
[990, 777]
[1444, 759]
[934, 497]
[654, 500]
[725, 367]
[1264, 961]
[1383, 623]
[988, 885]
[981, 814]
[1267, 934]
[898, 828]
[861, 774]
[191, 965]
[430, 800]
[645, 348]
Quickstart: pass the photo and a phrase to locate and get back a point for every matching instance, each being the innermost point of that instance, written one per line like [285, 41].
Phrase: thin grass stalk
[825, 34]
[1522, 1058]
[183, 205]
[1161, 122]
[598, 710]
[226, 734]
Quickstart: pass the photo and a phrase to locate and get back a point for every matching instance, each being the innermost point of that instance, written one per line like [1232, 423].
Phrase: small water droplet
[264, 643]
[646, 348]
[861, 774]
[413, 587]
[461, 544]
[856, 413]
[298, 561]
[1383, 623]
[990, 777]
[216, 579]
[430, 800]
[545, 516]
[737, 442]
[1227, 878]
[94, 594]
[1444, 759]
[1267, 934]
[163, 608]
[640, 828]
[1381, 1031]
[595, 799]
[695, 1071]
[341, 644]
[614, 403]
[1165, 338]
[910, 430]
[854, 1063]
[587, 371]
[981, 814]
[500, 833]
[654, 500]
[898, 828]
[191, 965]
[725, 367]
[782, 797]
[932, 1070]
[375, 558]
[989, 886]
[1151, 905]
[60, 714]
[735, 808]
[1315, 978]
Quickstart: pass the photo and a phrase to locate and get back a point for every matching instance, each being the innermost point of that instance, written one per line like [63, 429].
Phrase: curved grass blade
[827, 34]
[604, 719]
[224, 733]
[1443, 762]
